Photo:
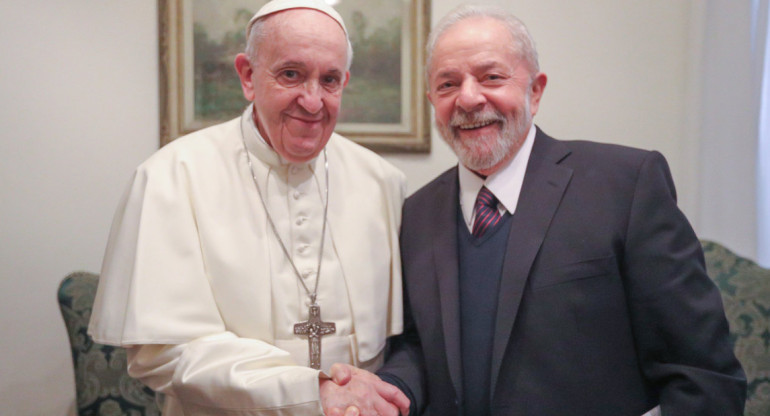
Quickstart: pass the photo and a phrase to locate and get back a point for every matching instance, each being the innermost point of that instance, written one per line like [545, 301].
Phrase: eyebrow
[447, 73]
[335, 72]
[290, 64]
[486, 66]
[483, 67]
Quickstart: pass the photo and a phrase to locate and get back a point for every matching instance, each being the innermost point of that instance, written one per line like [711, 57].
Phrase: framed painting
[384, 106]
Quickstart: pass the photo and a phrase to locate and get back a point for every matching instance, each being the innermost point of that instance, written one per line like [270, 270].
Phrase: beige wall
[79, 110]
[78, 89]
[617, 73]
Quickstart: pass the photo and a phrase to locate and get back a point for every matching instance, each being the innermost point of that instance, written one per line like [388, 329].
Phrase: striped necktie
[487, 214]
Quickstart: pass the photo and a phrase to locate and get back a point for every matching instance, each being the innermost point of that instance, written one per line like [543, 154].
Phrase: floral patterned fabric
[102, 384]
[745, 289]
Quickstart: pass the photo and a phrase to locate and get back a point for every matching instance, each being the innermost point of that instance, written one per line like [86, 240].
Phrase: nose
[470, 96]
[310, 98]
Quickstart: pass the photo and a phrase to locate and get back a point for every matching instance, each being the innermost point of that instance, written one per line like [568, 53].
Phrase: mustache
[461, 118]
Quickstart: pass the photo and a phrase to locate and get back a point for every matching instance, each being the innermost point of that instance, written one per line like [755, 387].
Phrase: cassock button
[300, 220]
[297, 194]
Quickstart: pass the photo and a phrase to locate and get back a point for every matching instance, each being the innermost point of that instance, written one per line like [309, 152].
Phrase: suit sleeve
[405, 364]
[677, 315]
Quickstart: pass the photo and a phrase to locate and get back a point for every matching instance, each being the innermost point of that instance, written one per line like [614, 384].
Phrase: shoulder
[617, 169]
[198, 149]
[588, 149]
[362, 162]
[594, 157]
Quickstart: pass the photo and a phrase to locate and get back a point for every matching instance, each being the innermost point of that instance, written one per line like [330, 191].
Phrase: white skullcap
[281, 5]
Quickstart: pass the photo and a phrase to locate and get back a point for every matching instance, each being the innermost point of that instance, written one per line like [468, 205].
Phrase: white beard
[485, 152]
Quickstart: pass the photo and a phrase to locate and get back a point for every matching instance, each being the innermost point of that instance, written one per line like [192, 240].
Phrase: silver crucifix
[314, 328]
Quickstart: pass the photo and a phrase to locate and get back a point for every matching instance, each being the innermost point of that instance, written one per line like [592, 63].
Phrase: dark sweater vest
[480, 265]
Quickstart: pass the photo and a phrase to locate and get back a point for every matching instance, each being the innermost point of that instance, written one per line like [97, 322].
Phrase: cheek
[444, 111]
[533, 106]
[508, 103]
[276, 98]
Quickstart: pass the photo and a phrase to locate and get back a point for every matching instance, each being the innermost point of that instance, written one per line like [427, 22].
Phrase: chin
[301, 154]
[479, 163]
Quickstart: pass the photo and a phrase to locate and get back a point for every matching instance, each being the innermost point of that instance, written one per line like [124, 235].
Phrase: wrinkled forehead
[474, 40]
[302, 39]
[304, 29]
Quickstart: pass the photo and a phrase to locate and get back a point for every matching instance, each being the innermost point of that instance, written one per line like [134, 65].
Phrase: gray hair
[522, 40]
[259, 34]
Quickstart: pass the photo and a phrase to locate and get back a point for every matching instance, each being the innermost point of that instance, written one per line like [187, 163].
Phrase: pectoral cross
[314, 328]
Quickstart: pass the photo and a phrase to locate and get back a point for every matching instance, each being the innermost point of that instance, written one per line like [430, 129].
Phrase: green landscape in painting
[372, 96]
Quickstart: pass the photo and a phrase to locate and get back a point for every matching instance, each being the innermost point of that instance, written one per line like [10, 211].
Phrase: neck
[478, 174]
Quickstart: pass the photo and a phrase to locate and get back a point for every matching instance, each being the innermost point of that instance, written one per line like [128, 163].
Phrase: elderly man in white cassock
[247, 258]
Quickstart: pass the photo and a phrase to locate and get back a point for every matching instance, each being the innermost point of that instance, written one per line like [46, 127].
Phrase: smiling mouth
[307, 120]
[476, 125]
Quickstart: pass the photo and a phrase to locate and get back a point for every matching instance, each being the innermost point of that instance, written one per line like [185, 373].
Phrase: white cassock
[195, 283]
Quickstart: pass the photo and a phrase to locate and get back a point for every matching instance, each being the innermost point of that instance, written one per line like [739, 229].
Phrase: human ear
[536, 89]
[346, 80]
[245, 72]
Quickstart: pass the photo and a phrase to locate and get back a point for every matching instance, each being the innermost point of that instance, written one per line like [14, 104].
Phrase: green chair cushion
[103, 386]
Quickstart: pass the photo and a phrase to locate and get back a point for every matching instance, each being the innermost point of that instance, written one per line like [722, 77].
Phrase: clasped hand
[356, 392]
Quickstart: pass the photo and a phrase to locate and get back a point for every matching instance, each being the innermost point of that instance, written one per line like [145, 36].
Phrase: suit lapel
[447, 270]
[544, 184]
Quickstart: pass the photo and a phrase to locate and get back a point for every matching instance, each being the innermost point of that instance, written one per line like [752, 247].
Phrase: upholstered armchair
[745, 289]
[103, 387]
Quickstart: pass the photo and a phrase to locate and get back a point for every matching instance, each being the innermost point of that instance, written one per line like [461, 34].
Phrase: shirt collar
[505, 184]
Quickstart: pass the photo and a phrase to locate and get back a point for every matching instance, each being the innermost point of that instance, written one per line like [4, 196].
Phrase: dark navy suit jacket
[604, 306]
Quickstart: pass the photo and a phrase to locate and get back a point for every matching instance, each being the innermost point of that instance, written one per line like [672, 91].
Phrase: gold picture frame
[383, 108]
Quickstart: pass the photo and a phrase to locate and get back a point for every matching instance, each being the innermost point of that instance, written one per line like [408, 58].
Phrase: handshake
[353, 391]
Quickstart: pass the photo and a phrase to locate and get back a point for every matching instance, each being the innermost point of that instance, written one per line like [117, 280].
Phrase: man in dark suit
[573, 285]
